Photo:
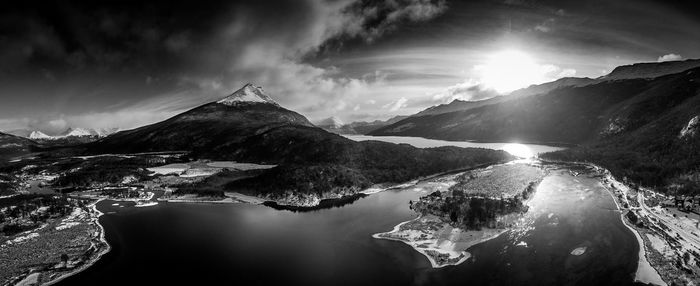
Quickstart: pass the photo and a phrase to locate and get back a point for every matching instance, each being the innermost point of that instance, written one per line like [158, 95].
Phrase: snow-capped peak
[39, 135]
[79, 132]
[102, 132]
[72, 133]
[248, 93]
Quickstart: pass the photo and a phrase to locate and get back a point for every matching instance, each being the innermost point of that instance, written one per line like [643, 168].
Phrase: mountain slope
[658, 142]
[12, 146]
[651, 70]
[642, 129]
[567, 115]
[638, 71]
[207, 130]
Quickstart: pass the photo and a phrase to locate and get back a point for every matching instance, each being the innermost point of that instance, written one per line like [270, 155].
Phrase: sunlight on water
[519, 150]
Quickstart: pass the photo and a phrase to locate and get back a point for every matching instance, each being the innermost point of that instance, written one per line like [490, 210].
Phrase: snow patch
[691, 129]
[39, 135]
[250, 94]
[578, 251]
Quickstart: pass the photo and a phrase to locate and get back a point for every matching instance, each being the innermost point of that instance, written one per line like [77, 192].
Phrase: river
[207, 244]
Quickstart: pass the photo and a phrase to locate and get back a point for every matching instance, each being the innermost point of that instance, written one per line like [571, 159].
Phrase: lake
[243, 244]
[515, 148]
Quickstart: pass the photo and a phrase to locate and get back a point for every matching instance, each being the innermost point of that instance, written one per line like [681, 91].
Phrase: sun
[508, 70]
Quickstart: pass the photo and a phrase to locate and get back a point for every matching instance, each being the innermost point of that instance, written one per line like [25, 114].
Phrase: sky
[105, 64]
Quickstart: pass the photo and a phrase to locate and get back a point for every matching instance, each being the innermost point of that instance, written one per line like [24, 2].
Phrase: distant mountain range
[68, 134]
[637, 121]
[335, 125]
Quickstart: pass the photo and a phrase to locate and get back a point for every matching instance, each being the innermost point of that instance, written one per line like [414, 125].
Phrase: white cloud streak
[669, 57]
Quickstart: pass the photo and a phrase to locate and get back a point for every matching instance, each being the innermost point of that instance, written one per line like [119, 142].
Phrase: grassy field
[500, 180]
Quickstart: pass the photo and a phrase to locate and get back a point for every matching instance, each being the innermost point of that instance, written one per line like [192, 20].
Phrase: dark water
[240, 244]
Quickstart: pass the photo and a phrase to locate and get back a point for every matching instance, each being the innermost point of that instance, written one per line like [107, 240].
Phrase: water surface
[256, 245]
[420, 142]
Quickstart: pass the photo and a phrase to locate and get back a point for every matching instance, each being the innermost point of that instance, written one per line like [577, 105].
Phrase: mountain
[458, 105]
[19, 132]
[639, 128]
[38, 135]
[334, 125]
[461, 105]
[550, 86]
[247, 95]
[639, 70]
[217, 129]
[330, 123]
[103, 132]
[567, 115]
[651, 139]
[12, 146]
[72, 136]
[651, 70]
[79, 132]
[363, 127]
[248, 126]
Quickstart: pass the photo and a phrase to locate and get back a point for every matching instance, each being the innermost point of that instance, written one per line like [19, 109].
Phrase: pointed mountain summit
[213, 129]
[330, 122]
[249, 93]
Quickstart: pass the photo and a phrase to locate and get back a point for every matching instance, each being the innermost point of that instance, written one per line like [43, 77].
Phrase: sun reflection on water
[519, 150]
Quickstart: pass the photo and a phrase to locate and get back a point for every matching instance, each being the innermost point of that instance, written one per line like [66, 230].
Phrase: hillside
[567, 115]
[657, 141]
[12, 146]
[651, 70]
[641, 129]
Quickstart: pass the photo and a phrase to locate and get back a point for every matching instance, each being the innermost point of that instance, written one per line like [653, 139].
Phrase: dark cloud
[127, 63]
[105, 57]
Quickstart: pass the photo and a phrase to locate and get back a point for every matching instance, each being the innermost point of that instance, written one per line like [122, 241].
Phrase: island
[468, 209]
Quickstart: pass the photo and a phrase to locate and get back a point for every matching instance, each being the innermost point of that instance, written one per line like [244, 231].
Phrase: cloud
[272, 54]
[470, 90]
[396, 105]
[509, 70]
[371, 19]
[567, 73]
[669, 57]
[187, 61]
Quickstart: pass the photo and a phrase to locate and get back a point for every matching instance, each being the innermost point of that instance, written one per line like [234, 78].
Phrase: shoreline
[99, 243]
[645, 272]
[434, 238]
[106, 249]
[424, 250]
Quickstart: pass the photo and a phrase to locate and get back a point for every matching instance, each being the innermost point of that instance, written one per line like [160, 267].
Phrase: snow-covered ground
[204, 168]
[446, 241]
[645, 272]
[239, 166]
